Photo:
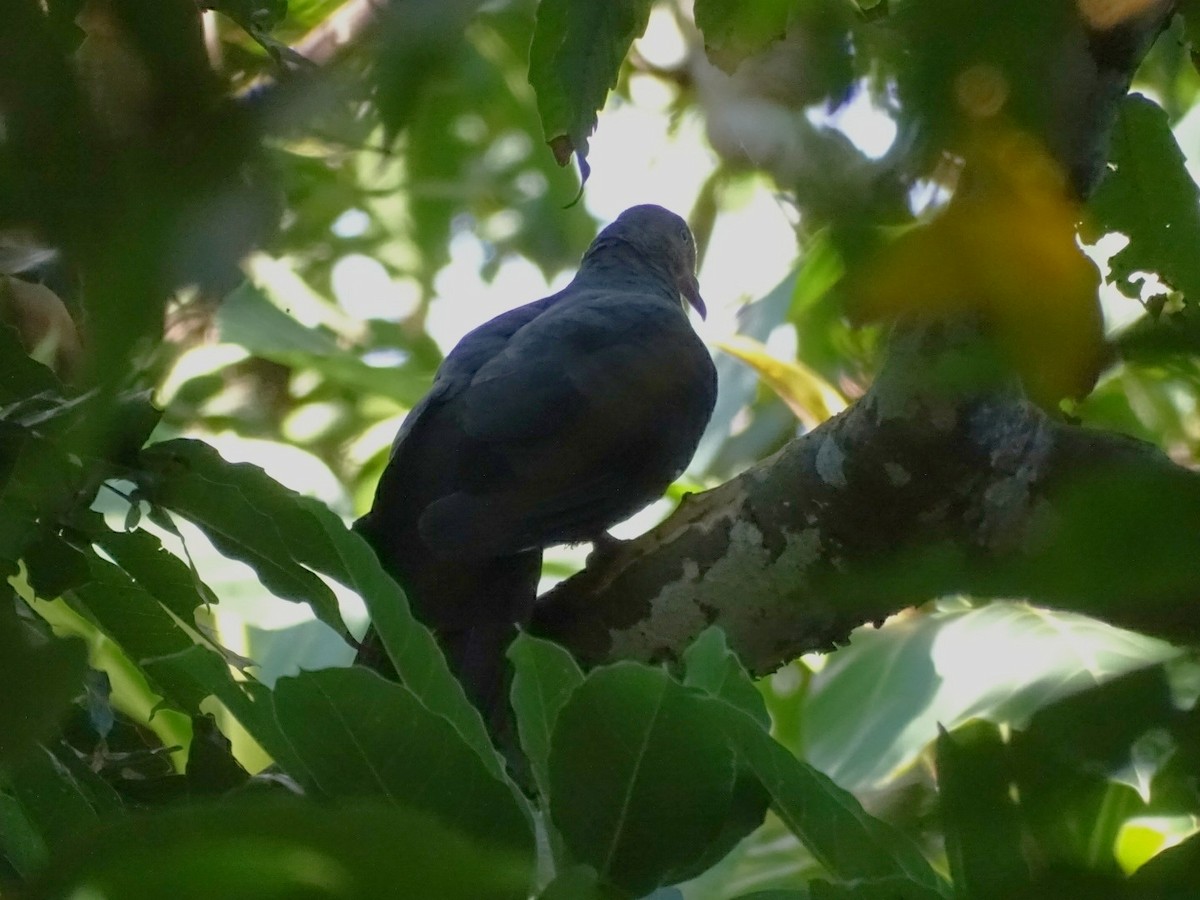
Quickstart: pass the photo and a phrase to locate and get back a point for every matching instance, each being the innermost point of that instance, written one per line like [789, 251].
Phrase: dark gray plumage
[546, 425]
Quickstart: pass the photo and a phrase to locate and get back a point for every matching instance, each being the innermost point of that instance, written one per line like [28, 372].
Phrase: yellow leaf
[807, 394]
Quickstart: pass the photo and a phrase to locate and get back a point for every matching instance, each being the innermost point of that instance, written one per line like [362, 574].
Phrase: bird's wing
[471, 353]
[583, 408]
[596, 355]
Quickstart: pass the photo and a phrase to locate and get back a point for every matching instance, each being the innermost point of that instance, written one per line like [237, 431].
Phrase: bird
[545, 425]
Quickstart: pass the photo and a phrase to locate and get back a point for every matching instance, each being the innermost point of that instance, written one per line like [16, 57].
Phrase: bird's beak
[690, 288]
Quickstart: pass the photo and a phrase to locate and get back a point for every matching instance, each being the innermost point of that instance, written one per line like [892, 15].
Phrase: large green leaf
[285, 849]
[127, 612]
[42, 808]
[844, 838]
[646, 808]
[161, 573]
[848, 842]
[248, 318]
[712, 667]
[577, 50]
[288, 539]
[632, 799]
[360, 735]
[247, 515]
[546, 675]
[188, 678]
[1002, 661]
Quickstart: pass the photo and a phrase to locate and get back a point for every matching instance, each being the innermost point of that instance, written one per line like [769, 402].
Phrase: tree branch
[919, 490]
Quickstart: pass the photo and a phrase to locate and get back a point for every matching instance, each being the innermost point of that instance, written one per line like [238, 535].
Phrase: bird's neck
[617, 264]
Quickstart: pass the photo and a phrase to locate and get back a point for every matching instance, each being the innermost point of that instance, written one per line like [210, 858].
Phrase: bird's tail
[473, 610]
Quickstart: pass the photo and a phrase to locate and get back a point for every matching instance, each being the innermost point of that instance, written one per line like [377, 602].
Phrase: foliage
[157, 178]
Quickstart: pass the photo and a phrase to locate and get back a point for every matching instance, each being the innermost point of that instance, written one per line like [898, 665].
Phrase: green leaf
[734, 30]
[546, 676]
[21, 845]
[1002, 661]
[577, 50]
[188, 678]
[249, 319]
[126, 612]
[1067, 766]
[632, 799]
[809, 396]
[882, 889]
[45, 794]
[280, 848]
[576, 883]
[410, 645]
[288, 538]
[418, 41]
[360, 735]
[248, 516]
[830, 821]
[1150, 197]
[161, 573]
[712, 667]
[34, 477]
[54, 566]
[979, 815]
[50, 676]
[1171, 875]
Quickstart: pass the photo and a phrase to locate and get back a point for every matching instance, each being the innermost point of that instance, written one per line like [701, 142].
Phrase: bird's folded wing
[593, 362]
[575, 405]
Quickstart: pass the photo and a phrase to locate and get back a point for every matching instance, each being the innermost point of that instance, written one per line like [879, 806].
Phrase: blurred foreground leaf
[1004, 250]
[732, 31]
[357, 734]
[276, 848]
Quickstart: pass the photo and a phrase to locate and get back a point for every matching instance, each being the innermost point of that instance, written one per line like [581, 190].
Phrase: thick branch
[915, 492]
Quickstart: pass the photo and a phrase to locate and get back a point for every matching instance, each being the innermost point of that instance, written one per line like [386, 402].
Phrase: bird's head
[663, 240]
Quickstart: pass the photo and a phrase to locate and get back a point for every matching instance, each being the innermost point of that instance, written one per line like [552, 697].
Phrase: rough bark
[914, 492]
[920, 489]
